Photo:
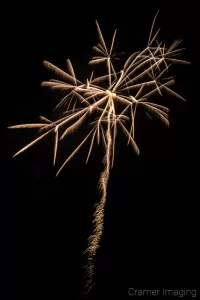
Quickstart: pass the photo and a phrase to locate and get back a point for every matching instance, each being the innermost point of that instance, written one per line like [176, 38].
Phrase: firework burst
[112, 101]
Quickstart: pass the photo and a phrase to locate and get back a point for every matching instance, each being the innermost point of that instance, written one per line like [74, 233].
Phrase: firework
[144, 74]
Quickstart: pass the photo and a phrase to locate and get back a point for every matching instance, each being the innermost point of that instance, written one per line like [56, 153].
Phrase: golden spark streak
[31, 144]
[55, 145]
[152, 27]
[74, 152]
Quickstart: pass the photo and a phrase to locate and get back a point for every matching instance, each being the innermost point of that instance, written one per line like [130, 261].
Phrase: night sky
[149, 240]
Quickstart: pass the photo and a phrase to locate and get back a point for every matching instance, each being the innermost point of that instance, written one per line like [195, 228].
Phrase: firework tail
[98, 221]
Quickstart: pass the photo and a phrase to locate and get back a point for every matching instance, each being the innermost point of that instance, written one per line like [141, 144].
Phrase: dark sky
[149, 239]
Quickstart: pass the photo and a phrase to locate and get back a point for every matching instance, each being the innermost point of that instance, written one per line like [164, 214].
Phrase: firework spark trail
[94, 239]
[141, 77]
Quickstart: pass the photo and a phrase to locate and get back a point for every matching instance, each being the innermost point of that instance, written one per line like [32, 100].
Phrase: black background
[150, 232]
